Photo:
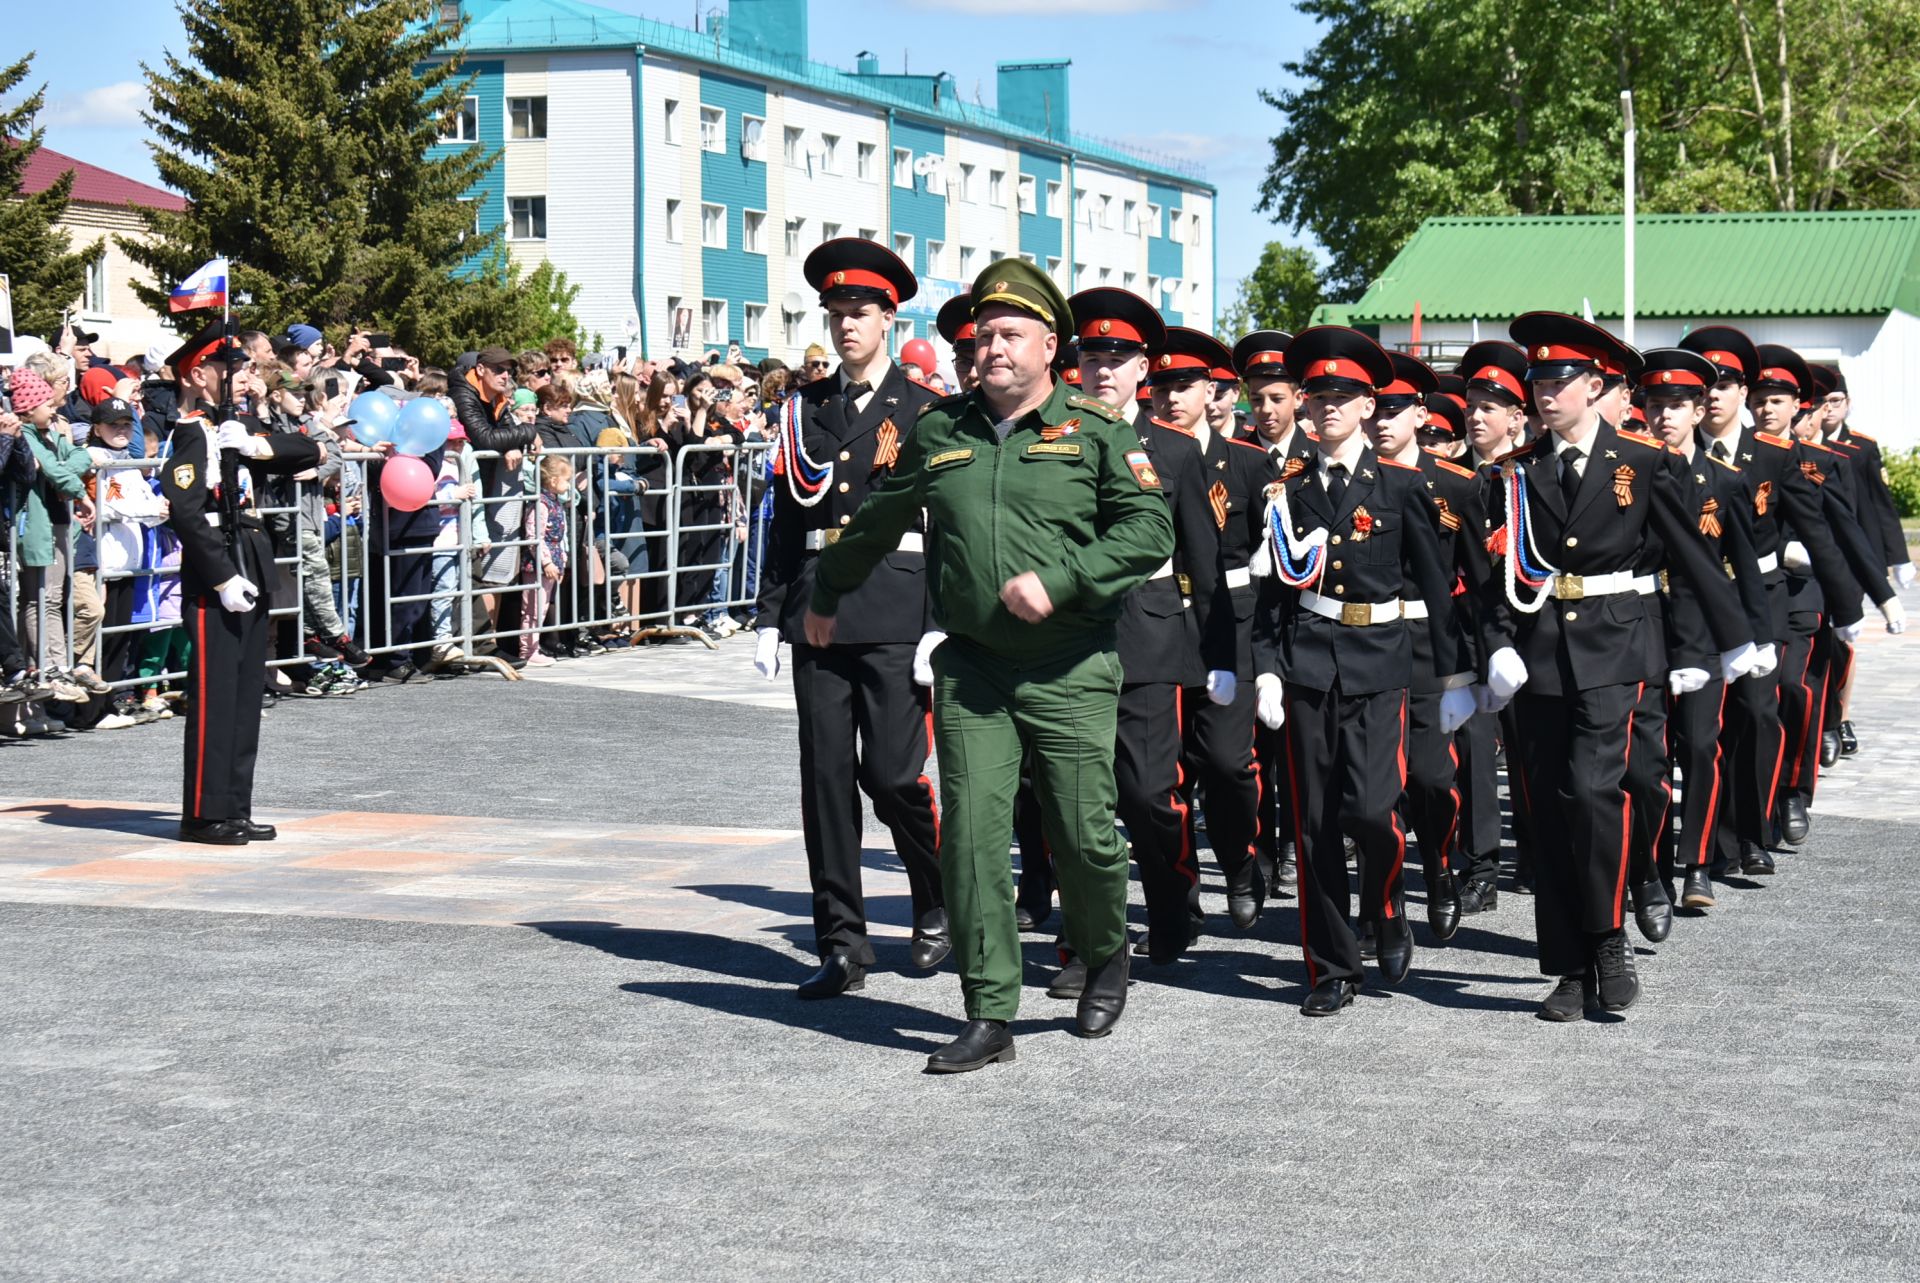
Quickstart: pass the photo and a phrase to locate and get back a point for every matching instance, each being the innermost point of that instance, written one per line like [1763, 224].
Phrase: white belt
[213, 518]
[1352, 613]
[1165, 571]
[1770, 563]
[1413, 608]
[912, 541]
[1241, 577]
[1574, 587]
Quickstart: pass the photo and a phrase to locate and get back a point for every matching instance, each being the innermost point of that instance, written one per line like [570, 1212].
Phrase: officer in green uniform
[1045, 512]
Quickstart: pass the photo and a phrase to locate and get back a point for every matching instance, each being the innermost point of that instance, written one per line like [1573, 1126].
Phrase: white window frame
[93, 300]
[997, 187]
[458, 138]
[1153, 220]
[512, 125]
[1026, 188]
[753, 137]
[674, 303]
[1054, 267]
[903, 167]
[829, 231]
[1079, 277]
[710, 308]
[713, 128]
[1026, 257]
[936, 255]
[673, 229]
[1194, 230]
[753, 231]
[870, 234]
[902, 333]
[705, 207]
[1053, 199]
[830, 145]
[528, 196]
[969, 262]
[1153, 289]
[753, 325]
[1130, 217]
[966, 182]
[1106, 276]
[903, 246]
[670, 122]
[863, 161]
[796, 233]
[790, 328]
[790, 148]
[1128, 280]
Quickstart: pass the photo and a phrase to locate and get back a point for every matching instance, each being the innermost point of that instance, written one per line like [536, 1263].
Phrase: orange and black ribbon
[1710, 518]
[1217, 496]
[1623, 486]
[887, 446]
[1760, 497]
[1812, 471]
[1293, 468]
[1448, 517]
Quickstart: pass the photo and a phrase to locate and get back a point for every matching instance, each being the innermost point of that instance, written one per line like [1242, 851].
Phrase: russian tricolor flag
[207, 287]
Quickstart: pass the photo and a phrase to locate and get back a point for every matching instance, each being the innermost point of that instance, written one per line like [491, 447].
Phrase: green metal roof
[1849, 263]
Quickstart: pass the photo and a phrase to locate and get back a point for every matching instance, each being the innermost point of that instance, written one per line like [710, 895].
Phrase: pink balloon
[406, 483]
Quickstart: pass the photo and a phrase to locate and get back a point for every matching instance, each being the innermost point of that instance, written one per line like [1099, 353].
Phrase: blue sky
[1174, 76]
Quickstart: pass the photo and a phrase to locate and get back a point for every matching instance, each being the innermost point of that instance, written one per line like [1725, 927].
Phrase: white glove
[923, 656]
[1270, 701]
[1506, 674]
[1737, 663]
[766, 652]
[100, 456]
[1685, 681]
[1794, 555]
[1904, 574]
[238, 594]
[233, 436]
[1456, 706]
[1850, 633]
[1768, 661]
[1895, 614]
[1221, 685]
[1486, 701]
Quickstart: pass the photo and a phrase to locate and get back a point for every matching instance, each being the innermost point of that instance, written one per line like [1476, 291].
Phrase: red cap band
[1109, 328]
[1266, 358]
[1226, 376]
[1775, 374]
[1504, 377]
[1666, 378]
[185, 367]
[1340, 368]
[964, 334]
[1399, 387]
[1727, 359]
[854, 276]
[1456, 398]
[1179, 361]
[1557, 353]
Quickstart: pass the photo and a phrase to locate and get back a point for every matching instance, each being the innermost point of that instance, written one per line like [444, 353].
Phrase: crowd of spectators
[550, 505]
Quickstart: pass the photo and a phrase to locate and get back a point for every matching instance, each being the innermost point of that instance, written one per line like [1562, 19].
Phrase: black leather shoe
[1698, 892]
[1031, 917]
[1328, 997]
[1652, 910]
[981, 1043]
[258, 832]
[1523, 877]
[1245, 894]
[1479, 895]
[838, 974]
[1443, 906]
[1396, 948]
[1794, 821]
[1070, 981]
[214, 832]
[1619, 984]
[1286, 874]
[1104, 997]
[1755, 861]
[931, 944]
[1568, 1001]
[1849, 742]
[1369, 940]
[1829, 747]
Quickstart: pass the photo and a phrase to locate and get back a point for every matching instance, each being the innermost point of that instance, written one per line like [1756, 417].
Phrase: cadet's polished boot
[1849, 742]
[1105, 996]
[981, 1043]
[1246, 892]
[1698, 891]
[1329, 998]
[1652, 910]
[258, 832]
[1795, 823]
[1829, 748]
[1756, 861]
[1480, 895]
[1443, 905]
[931, 943]
[838, 974]
[214, 832]
[1395, 956]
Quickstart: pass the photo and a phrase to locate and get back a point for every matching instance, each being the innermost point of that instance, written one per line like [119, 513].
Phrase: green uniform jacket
[1083, 510]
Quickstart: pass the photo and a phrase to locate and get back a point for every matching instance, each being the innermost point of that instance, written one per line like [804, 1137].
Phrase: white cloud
[1043, 8]
[112, 105]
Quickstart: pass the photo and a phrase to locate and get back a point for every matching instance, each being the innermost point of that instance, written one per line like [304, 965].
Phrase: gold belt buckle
[1356, 614]
[1569, 587]
[1186, 585]
[830, 537]
[1724, 565]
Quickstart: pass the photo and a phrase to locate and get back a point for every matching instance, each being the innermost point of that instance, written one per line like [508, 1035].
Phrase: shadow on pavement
[144, 821]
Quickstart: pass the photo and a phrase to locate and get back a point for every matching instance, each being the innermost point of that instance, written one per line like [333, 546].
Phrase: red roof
[92, 184]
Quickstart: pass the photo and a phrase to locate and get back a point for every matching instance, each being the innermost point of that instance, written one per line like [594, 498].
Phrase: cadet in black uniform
[1566, 622]
[227, 571]
[1217, 716]
[863, 717]
[955, 323]
[1334, 662]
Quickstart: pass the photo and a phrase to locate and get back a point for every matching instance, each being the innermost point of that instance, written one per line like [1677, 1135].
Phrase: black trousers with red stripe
[1803, 698]
[1275, 823]
[1477, 746]
[1752, 748]
[1693, 728]
[1346, 770]
[1839, 677]
[1433, 790]
[1649, 783]
[1573, 749]
[1217, 748]
[226, 679]
[1147, 777]
[864, 725]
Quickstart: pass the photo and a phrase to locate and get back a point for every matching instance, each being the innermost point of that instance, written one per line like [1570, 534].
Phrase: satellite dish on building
[926, 164]
[793, 304]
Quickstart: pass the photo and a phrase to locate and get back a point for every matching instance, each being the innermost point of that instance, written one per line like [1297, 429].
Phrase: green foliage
[1903, 480]
[1410, 109]
[45, 271]
[300, 132]
[1279, 294]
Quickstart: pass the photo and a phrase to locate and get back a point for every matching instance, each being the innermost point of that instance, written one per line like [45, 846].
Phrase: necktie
[1719, 451]
[857, 390]
[1569, 474]
[1337, 484]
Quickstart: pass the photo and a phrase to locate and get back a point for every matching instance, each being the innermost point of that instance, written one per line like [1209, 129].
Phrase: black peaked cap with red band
[1733, 354]
[1559, 346]
[1446, 416]
[1066, 364]
[1825, 380]
[1333, 358]
[1412, 380]
[1262, 355]
[856, 268]
[1783, 370]
[1187, 354]
[1677, 368]
[1107, 319]
[1495, 369]
[1454, 388]
[208, 344]
[955, 322]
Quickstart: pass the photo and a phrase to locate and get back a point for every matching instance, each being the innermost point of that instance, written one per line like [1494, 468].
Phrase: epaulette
[1772, 440]
[1245, 444]
[1162, 423]
[1853, 435]
[1723, 463]
[1641, 438]
[1404, 467]
[1514, 453]
[1453, 467]
[944, 403]
[1815, 445]
[1081, 401]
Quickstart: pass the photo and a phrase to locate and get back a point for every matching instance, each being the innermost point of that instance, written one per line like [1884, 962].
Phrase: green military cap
[1018, 283]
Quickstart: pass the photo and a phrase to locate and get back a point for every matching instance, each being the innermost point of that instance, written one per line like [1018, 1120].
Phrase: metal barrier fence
[451, 583]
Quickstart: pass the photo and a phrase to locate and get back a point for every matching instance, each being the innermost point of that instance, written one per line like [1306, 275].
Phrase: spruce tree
[299, 132]
[37, 255]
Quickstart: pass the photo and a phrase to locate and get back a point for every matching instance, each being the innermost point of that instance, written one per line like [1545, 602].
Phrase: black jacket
[213, 548]
[1721, 497]
[1164, 634]
[485, 431]
[1455, 493]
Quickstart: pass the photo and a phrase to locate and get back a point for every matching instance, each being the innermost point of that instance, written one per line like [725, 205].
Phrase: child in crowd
[454, 491]
[126, 508]
[547, 527]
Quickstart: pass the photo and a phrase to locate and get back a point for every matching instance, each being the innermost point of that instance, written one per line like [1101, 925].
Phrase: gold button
[845, 520]
[1340, 588]
[1338, 566]
[1572, 615]
[1336, 539]
[844, 456]
[1572, 542]
[845, 486]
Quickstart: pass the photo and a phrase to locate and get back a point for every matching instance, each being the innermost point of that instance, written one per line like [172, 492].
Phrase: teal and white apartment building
[681, 176]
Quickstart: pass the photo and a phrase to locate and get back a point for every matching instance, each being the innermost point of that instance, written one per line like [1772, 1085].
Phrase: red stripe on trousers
[199, 697]
[1713, 801]
[1299, 851]
[1806, 723]
[1626, 813]
[1393, 815]
[1188, 865]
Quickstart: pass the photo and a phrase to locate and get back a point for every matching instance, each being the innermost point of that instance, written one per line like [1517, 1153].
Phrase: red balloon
[406, 483]
[919, 352]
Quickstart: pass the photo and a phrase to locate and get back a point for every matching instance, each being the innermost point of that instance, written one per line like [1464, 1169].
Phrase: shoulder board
[1770, 439]
[1723, 463]
[1853, 435]
[1404, 467]
[1641, 438]
[948, 403]
[1515, 453]
[1245, 444]
[1815, 445]
[1096, 406]
[1450, 466]
[1162, 423]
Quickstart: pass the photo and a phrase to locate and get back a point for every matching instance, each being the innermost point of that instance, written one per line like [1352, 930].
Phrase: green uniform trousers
[987, 711]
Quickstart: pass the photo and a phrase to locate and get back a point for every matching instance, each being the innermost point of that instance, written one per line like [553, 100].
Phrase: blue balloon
[374, 414]
[423, 427]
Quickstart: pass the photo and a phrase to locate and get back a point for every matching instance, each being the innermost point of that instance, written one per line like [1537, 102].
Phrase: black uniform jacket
[1234, 475]
[891, 605]
[1455, 493]
[1877, 511]
[214, 549]
[1384, 534]
[1171, 631]
[1788, 506]
[1721, 497]
[1836, 478]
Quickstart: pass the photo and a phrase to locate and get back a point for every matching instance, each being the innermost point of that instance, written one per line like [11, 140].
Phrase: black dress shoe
[1070, 981]
[1794, 821]
[1756, 861]
[1479, 895]
[1523, 877]
[258, 832]
[1286, 874]
[1849, 742]
[214, 832]
[1396, 948]
[981, 1043]
[1443, 906]
[1369, 940]
[1245, 894]
[1568, 1001]
[931, 943]
[838, 974]
[1698, 892]
[1619, 984]
[1328, 997]
[1652, 910]
[1104, 997]
[1829, 747]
